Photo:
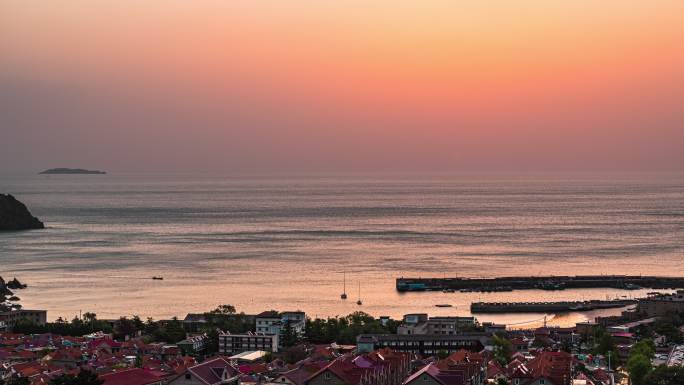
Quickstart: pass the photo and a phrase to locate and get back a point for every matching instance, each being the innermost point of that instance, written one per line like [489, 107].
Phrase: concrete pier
[542, 282]
[543, 307]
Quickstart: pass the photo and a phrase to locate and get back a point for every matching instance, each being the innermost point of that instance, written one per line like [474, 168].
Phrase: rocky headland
[15, 216]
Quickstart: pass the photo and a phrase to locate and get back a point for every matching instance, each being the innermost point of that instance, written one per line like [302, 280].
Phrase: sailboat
[359, 301]
[344, 286]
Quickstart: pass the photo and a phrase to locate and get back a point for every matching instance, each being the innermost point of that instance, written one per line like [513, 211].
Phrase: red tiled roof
[444, 377]
[494, 369]
[211, 371]
[94, 344]
[344, 369]
[130, 377]
[556, 366]
[303, 372]
[24, 354]
[29, 369]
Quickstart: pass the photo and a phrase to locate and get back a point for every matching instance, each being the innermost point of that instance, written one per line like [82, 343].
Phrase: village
[642, 346]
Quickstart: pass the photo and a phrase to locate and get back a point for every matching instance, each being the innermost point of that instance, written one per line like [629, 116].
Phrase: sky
[258, 86]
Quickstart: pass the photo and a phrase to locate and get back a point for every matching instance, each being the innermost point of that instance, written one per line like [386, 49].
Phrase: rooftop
[249, 356]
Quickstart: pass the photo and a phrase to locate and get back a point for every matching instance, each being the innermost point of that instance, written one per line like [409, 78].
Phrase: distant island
[71, 171]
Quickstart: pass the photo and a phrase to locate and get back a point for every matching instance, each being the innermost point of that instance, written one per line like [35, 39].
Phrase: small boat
[631, 286]
[444, 305]
[344, 286]
[158, 278]
[359, 301]
[448, 291]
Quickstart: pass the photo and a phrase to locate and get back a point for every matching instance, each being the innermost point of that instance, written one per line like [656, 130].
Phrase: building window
[327, 376]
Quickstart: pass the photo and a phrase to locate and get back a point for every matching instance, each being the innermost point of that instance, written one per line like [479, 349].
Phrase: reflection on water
[283, 243]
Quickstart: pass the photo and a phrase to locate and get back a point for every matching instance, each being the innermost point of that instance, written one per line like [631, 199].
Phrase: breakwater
[543, 307]
[541, 282]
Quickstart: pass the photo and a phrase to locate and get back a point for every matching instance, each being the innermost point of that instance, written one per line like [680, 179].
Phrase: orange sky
[343, 85]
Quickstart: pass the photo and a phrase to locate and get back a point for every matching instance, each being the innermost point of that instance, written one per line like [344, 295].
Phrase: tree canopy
[344, 330]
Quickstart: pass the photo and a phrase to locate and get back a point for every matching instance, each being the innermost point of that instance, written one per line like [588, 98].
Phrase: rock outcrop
[15, 216]
[8, 301]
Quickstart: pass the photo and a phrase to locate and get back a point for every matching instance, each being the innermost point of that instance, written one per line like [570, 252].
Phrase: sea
[297, 242]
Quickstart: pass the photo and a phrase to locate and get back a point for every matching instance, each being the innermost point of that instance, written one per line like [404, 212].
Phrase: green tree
[566, 346]
[225, 309]
[289, 336]
[638, 367]
[124, 328]
[139, 324]
[502, 381]
[666, 375]
[76, 327]
[295, 354]
[171, 332]
[604, 343]
[150, 327]
[644, 347]
[225, 317]
[668, 326]
[442, 354]
[212, 341]
[174, 331]
[503, 349]
[89, 317]
[344, 330]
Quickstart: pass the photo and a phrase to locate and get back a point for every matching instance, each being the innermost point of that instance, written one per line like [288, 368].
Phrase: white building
[273, 322]
[231, 344]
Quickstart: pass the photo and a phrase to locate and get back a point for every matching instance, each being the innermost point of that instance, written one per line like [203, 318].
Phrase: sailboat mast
[344, 283]
[359, 301]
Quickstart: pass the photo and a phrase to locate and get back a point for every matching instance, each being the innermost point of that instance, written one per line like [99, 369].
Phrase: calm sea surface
[261, 243]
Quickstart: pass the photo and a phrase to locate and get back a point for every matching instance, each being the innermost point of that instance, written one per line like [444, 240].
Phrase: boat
[631, 286]
[448, 291]
[158, 278]
[344, 286]
[359, 301]
[444, 305]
